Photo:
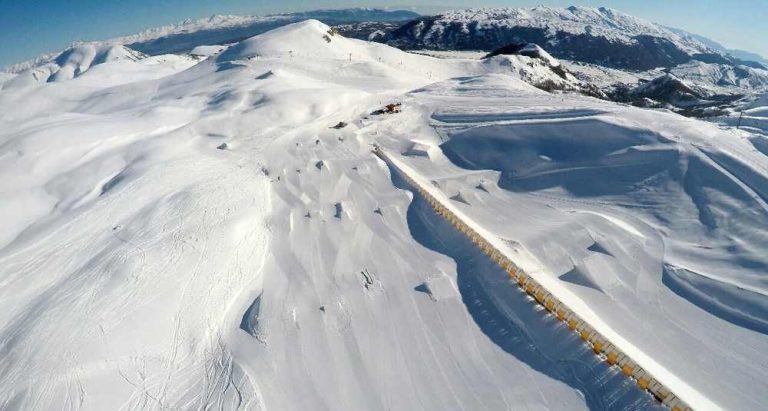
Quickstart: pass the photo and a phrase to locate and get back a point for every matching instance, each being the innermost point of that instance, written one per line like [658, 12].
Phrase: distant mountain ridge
[600, 36]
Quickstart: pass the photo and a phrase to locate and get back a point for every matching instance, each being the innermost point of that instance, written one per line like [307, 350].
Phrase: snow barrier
[599, 344]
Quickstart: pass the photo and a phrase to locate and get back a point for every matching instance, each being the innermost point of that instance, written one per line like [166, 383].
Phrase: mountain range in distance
[617, 53]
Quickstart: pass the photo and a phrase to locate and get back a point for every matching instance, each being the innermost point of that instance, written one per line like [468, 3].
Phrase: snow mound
[309, 38]
[460, 198]
[75, 61]
[440, 287]
[526, 49]
[533, 50]
[78, 60]
[541, 70]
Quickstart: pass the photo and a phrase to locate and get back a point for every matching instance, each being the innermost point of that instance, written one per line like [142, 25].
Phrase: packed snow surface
[179, 233]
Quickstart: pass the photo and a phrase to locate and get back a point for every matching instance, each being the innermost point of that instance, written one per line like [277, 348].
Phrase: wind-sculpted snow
[514, 324]
[657, 224]
[179, 233]
[646, 172]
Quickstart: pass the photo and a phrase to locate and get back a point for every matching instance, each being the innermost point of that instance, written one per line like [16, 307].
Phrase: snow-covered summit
[186, 233]
[599, 22]
[73, 62]
[602, 36]
[77, 60]
[532, 49]
[188, 26]
[306, 38]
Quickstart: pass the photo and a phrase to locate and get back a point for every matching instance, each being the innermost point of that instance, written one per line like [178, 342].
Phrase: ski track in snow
[195, 234]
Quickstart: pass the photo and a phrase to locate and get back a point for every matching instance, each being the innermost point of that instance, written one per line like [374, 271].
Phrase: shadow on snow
[510, 319]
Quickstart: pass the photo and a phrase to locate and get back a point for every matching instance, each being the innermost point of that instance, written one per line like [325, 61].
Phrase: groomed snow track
[599, 344]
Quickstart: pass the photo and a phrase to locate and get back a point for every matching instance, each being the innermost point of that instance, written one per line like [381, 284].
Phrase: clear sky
[32, 27]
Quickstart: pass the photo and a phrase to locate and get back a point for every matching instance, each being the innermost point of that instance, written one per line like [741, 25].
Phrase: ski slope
[185, 233]
[643, 220]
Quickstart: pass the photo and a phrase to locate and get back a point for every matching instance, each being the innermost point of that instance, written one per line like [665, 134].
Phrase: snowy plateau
[211, 230]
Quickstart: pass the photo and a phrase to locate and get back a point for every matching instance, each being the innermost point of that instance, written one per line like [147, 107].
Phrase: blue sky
[31, 27]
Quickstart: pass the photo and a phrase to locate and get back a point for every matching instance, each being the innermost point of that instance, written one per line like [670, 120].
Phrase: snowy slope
[655, 223]
[72, 63]
[219, 29]
[723, 78]
[189, 233]
[751, 115]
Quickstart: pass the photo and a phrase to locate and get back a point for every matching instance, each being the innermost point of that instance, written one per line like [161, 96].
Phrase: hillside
[220, 29]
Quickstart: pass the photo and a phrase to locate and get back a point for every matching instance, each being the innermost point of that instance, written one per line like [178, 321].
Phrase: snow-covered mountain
[667, 87]
[707, 89]
[591, 41]
[743, 57]
[535, 66]
[220, 29]
[71, 63]
[213, 232]
[602, 36]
